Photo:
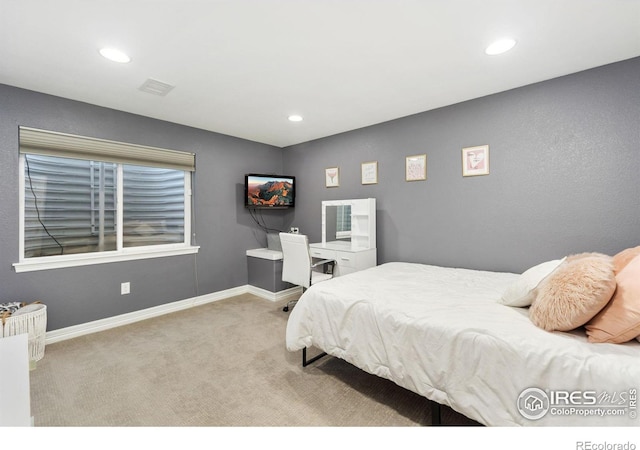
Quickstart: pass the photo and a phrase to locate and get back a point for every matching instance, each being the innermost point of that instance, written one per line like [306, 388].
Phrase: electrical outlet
[125, 288]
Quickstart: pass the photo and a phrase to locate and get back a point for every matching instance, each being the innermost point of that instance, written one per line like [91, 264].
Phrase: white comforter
[440, 332]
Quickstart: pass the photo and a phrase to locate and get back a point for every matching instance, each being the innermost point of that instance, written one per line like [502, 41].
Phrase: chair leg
[289, 305]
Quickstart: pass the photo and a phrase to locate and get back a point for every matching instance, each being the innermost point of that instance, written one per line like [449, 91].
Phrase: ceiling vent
[156, 87]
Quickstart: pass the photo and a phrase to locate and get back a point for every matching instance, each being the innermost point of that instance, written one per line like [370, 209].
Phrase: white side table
[15, 407]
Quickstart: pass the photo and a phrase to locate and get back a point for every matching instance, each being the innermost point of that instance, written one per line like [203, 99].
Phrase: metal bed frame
[436, 409]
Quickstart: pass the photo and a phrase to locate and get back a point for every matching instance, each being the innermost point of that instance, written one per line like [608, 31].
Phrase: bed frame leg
[306, 362]
[436, 414]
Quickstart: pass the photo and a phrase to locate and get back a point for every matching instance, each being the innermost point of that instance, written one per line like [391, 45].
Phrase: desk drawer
[346, 259]
[322, 253]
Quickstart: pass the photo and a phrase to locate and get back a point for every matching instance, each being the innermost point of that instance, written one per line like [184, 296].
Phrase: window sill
[59, 262]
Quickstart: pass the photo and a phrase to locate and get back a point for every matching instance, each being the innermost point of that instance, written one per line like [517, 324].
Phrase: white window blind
[50, 143]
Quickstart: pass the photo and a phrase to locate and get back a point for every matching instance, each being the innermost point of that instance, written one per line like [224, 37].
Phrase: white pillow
[520, 293]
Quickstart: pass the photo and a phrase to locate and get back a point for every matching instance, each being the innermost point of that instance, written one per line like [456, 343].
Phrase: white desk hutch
[348, 234]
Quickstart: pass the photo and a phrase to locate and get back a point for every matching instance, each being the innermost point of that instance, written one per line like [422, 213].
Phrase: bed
[442, 333]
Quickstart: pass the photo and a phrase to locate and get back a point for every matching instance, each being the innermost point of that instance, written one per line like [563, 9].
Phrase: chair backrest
[296, 259]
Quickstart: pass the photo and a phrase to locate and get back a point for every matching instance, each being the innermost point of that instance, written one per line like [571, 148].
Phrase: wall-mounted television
[269, 191]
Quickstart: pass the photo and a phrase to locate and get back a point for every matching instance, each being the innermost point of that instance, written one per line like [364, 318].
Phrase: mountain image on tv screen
[269, 192]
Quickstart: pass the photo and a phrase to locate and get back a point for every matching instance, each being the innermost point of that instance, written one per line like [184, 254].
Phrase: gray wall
[224, 228]
[565, 159]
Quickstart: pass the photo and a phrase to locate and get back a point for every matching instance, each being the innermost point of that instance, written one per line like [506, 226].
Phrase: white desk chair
[297, 265]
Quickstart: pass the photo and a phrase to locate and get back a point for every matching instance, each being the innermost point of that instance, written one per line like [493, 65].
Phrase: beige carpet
[223, 364]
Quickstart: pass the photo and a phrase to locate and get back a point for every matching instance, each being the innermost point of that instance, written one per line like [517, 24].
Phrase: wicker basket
[30, 319]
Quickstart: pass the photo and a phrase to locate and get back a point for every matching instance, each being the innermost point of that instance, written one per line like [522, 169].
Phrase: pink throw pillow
[623, 258]
[573, 293]
[619, 321]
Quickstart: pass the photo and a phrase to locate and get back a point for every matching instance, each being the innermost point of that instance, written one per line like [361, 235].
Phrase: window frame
[121, 253]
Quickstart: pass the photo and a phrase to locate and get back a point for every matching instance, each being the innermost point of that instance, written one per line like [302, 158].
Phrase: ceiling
[241, 67]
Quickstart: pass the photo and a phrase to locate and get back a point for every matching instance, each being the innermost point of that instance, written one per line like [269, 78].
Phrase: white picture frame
[332, 177]
[369, 172]
[415, 168]
[475, 161]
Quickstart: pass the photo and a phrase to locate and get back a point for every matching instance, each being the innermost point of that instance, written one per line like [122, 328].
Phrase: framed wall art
[416, 168]
[332, 177]
[475, 161]
[370, 172]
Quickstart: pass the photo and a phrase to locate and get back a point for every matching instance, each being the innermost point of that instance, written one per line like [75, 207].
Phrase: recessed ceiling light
[501, 46]
[295, 118]
[115, 55]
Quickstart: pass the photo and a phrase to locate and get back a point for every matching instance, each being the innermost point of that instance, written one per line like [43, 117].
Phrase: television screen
[269, 191]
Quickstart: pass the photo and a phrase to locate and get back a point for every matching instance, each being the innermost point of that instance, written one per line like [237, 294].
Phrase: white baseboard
[290, 293]
[136, 316]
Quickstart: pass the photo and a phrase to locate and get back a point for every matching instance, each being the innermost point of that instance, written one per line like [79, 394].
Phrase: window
[87, 201]
[153, 207]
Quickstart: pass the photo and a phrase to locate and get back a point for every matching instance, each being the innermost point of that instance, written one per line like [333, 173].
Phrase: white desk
[265, 269]
[348, 257]
[265, 253]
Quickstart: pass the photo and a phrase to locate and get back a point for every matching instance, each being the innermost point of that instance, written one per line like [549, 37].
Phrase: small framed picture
[332, 177]
[475, 161]
[416, 168]
[370, 172]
